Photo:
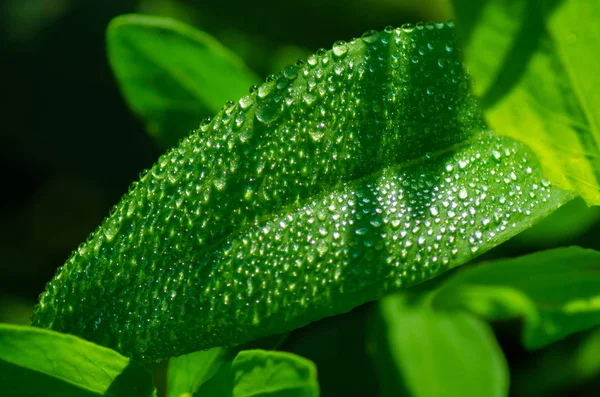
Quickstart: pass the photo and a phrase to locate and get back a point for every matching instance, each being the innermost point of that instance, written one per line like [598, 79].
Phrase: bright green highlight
[173, 75]
[534, 66]
[36, 362]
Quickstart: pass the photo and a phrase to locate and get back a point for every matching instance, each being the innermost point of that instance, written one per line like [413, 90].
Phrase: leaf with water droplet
[399, 185]
[171, 74]
[534, 65]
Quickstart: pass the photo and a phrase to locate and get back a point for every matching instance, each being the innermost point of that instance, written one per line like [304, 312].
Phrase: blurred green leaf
[261, 373]
[171, 74]
[556, 291]
[567, 223]
[534, 66]
[38, 362]
[560, 368]
[423, 353]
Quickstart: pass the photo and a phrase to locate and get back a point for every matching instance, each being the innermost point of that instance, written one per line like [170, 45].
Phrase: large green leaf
[534, 65]
[423, 353]
[173, 75]
[36, 362]
[556, 291]
[256, 373]
[364, 170]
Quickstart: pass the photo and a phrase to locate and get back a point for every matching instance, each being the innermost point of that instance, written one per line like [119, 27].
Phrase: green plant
[355, 173]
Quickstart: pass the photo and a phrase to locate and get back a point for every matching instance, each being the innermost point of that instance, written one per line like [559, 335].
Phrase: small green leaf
[261, 373]
[534, 65]
[360, 171]
[173, 75]
[423, 353]
[556, 291]
[186, 373]
[36, 362]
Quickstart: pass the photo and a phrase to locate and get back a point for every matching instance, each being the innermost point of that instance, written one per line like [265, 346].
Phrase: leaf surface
[36, 362]
[557, 292]
[364, 170]
[534, 66]
[173, 75]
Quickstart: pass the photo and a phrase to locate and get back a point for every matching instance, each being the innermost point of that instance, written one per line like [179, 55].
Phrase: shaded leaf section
[424, 353]
[260, 373]
[173, 75]
[534, 67]
[36, 362]
[557, 292]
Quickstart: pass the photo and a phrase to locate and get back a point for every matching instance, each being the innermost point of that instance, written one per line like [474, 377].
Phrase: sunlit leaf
[534, 65]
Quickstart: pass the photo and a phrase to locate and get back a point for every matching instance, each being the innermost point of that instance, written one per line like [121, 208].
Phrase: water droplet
[111, 228]
[340, 48]
[265, 90]
[219, 183]
[290, 73]
[317, 132]
[463, 194]
[361, 231]
[246, 102]
[268, 112]
[370, 36]
[407, 27]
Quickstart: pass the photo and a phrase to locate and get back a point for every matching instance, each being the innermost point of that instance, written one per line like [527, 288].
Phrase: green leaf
[186, 373]
[260, 373]
[423, 353]
[534, 65]
[557, 292]
[171, 74]
[36, 362]
[361, 171]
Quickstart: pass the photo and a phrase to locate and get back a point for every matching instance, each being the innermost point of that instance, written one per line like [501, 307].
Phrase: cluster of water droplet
[357, 171]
